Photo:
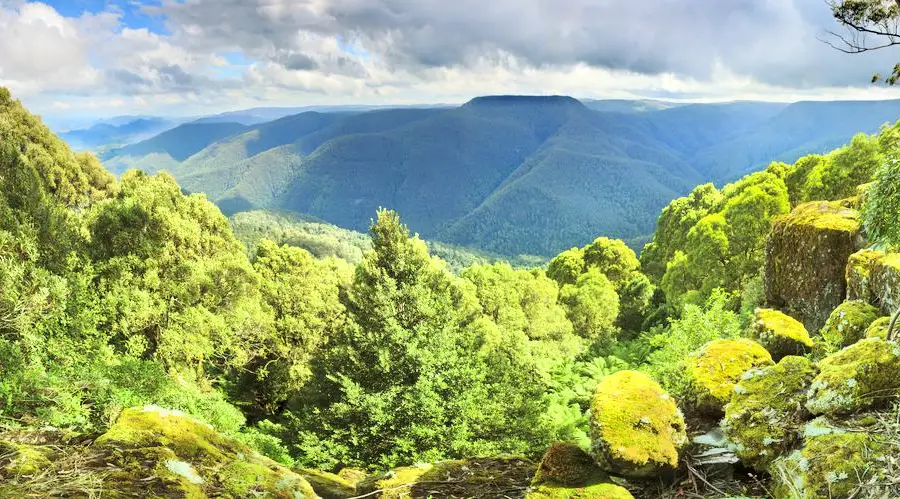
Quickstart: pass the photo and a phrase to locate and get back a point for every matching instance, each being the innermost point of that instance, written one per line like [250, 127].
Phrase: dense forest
[146, 350]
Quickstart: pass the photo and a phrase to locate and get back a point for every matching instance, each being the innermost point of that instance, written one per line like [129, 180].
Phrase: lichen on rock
[567, 465]
[806, 260]
[636, 428]
[863, 375]
[831, 463]
[779, 333]
[766, 412]
[718, 366]
[847, 324]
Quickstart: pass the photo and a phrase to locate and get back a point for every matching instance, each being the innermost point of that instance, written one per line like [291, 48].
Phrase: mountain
[116, 132]
[166, 150]
[507, 174]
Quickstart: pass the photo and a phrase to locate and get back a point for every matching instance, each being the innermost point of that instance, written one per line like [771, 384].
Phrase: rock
[832, 463]
[352, 475]
[169, 454]
[393, 484]
[806, 260]
[718, 366]
[874, 277]
[780, 334]
[567, 465]
[481, 477]
[879, 328]
[599, 491]
[766, 412]
[863, 375]
[636, 428]
[328, 485]
[847, 324]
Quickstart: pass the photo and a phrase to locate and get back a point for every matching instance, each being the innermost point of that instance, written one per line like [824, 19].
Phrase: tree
[869, 25]
[881, 212]
[613, 258]
[593, 306]
[566, 266]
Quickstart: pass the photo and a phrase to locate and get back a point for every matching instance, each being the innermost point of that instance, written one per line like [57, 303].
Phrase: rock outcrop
[718, 366]
[874, 277]
[848, 324]
[806, 260]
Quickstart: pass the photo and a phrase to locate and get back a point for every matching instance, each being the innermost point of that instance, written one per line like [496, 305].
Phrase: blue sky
[93, 58]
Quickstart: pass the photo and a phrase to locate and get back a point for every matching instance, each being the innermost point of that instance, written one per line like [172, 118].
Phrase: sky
[95, 58]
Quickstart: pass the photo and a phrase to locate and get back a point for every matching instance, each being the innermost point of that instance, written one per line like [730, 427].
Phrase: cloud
[218, 54]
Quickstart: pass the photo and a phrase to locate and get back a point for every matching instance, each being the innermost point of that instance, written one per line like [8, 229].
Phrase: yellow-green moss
[848, 324]
[599, 491]
[860, 376]
[352, 475]
[885, 283]
[718, 366]
[173, 455]
[636, 428]
[328, 485]
[831, 464]
[879, 328]
[826, 215]
[568, 465]
[396, 484]
[859, 273]
[17, 459]
[765, 414]
[780, 334]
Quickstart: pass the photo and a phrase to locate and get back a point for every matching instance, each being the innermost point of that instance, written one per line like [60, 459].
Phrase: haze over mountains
[507, 174]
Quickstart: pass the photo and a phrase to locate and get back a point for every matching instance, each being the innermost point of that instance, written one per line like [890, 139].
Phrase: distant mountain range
[507, 174]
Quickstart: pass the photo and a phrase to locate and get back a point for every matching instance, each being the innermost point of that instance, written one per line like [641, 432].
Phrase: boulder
[766, 412]
[806, 260]
[636, 428]
[567, 465]
[879, 328]
[598, 491]
[847, 324]
[874, 277]
[779, 333]
[328, 485]
[861, 376]
[718, 366]
[168, 454]
[832, 463]
[478, 477]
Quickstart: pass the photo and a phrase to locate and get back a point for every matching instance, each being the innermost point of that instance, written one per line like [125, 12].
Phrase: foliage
[593, 306]
[882, 199]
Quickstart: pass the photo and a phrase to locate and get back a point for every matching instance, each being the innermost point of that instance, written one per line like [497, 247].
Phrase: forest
[150, 346]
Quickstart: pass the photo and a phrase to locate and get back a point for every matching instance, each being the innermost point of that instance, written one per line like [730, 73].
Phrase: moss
[395, 484]
[17, 459]
[599, 491]
[806, 260]
[860, 376]
[636, 428]
[879, 328]
[328, 485]
[830, 464]
[766, 411]
[780, 334]
[718, 366]
[352, 475]
[173, 455]
[885, 283]
[848, 324]
[569, 466]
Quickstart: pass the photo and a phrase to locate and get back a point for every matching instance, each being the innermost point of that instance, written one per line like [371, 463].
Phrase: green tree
[870, 25]
[592, 306]
[567, 266]
[881, 212]
[613, 258]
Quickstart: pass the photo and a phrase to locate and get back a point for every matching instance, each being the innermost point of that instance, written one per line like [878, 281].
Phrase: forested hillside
[748, 351]
[510, 175]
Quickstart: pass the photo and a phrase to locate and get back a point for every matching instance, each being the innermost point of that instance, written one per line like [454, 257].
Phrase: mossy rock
[636, 428]
[859, 274]
[19, 460]
[861, 376]
[328, 485]
[598, 491]
[885, 283]
[718, 366]
[832, 463]
[567, 465]
[780, 334]
[479, 477]
[848, 324]
[352, 475]
[766, 412]
[879, 328]
[169, 454]
[806, 260]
